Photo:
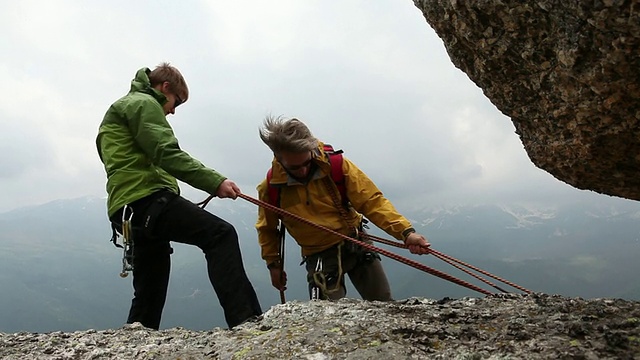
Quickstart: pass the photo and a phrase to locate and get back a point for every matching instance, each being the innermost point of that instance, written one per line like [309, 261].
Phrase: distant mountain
[518, 232]
[58, 270]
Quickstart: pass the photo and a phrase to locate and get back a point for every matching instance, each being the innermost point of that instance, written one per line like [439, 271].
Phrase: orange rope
[451, 260]
[386, 253]
[446, 258]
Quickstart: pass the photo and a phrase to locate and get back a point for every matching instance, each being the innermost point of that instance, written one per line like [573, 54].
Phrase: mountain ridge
[57, 254]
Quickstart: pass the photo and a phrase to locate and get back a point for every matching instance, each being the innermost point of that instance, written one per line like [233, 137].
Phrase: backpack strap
[335, 159]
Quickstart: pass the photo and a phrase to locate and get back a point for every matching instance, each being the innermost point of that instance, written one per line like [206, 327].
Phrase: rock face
[567, 73]
[533, 326]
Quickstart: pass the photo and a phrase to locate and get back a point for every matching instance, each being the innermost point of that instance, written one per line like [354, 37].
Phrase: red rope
[451, 260]
[386, 253]
[483, 272]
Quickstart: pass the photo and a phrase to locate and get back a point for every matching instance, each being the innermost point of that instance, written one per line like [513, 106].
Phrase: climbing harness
[126, 229]
[320, 286]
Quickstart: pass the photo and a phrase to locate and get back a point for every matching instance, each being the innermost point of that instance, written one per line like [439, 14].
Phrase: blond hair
[290, 135]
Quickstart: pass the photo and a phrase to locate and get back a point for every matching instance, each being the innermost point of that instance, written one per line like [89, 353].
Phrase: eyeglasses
[177, 102]
[298, 166]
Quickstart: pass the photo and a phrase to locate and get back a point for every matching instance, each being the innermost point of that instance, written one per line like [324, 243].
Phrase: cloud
[371, 78]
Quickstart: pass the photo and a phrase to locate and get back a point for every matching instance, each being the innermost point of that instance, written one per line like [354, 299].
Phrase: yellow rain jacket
[313, 202]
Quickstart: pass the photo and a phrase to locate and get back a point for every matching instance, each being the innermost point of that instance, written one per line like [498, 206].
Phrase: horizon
[57, 264]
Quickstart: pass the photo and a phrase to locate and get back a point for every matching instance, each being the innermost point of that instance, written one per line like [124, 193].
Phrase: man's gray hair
[290, 135]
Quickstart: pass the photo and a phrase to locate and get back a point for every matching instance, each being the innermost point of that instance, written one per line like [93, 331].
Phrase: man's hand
[278, 278]
[417, 244]
[228, 189]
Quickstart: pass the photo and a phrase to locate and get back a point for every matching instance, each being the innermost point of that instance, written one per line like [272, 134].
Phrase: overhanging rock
[567, 73]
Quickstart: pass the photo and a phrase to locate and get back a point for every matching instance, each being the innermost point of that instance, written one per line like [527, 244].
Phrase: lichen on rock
[536, 326]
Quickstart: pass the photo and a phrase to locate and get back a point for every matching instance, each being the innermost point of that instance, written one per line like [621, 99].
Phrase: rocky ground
[507, 326]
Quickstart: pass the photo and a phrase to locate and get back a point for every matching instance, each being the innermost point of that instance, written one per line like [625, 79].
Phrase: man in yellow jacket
[301, 171]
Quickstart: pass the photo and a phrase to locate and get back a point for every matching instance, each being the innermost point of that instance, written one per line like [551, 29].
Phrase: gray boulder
[567, 73]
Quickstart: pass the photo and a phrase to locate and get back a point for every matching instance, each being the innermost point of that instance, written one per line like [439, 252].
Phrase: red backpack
[335, 159]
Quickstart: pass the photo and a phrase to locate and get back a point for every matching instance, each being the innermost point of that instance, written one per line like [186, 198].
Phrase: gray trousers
[326, 271]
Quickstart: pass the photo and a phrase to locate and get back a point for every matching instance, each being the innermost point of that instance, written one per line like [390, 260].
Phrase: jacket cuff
[274, 264]
[406, 233]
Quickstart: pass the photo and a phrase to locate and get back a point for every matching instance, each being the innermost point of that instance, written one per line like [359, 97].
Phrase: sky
[371, 78]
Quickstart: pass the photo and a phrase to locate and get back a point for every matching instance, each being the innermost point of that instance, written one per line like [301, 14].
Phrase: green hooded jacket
[140, 152]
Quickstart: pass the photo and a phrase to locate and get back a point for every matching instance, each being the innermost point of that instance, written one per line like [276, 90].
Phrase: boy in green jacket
[142, 160]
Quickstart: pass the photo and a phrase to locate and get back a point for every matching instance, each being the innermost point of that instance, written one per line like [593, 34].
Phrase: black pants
[182, 221]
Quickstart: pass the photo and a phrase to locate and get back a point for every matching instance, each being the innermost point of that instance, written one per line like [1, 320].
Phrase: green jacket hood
[141, 83]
